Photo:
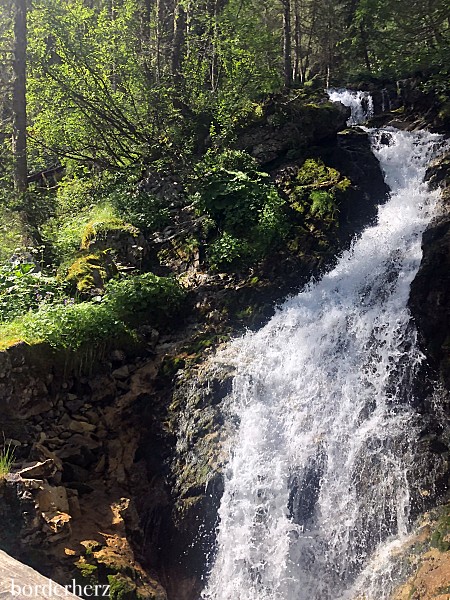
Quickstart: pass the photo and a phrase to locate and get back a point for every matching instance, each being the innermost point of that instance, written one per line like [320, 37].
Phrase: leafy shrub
[72, 326]
[314, 191]
[141, 209]
[63, 236]
[22, 290]
[228, 250]
[127, 303]
[231, 190]
[12, 233]
[247, 212]
[155, 297]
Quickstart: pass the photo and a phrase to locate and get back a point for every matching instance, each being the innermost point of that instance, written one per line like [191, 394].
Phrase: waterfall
[323, 462]
[360, 103]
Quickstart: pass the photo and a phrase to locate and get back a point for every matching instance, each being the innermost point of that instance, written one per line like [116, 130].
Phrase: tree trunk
[364, 40]
[287, 43]
[298, 43]
[19, 135]
[179, 36]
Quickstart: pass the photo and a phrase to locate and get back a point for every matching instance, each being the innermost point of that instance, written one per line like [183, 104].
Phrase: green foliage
[67, 235]
[22, 289]
[73, 326]
[12, 233]
[88, 91]
[121, 588]
[230, 190]
[103, 221]
[441, 535]
[315, 191]
[6, 460]
[243, 204]
[147, 295]
[395, 39]
[228, 251]
[88, 572]
[127, 303]
[143, 210]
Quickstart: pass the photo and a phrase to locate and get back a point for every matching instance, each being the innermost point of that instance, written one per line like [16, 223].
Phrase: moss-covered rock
[289, 125]
[91, 271]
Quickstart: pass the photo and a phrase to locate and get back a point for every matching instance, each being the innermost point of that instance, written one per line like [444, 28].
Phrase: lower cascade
[324, 469]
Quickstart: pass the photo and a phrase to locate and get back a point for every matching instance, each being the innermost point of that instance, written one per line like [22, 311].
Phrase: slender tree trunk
[364, 40]
[159, 35]
[287, 43]
[298, 43]
[145, 38]
[179, 37]
[19, 135]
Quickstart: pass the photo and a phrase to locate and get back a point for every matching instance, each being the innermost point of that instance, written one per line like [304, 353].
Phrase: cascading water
[323, 462]
[360, 103]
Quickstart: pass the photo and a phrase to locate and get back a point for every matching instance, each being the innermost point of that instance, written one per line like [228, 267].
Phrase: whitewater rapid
[323, 460]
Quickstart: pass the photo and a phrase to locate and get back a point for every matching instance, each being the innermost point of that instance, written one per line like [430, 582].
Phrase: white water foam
[360, 103]
[324, 454]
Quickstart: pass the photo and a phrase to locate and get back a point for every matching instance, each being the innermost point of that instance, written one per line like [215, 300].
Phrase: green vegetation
[6, 460]
[121, 588]
[126, 121]
[90, 272]
[441, 535]
[245, 211]
[314, 192]
[23, 289]
[127, 303]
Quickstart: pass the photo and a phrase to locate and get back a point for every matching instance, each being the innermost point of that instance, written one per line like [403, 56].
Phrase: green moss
[91, 271]
[99, 228]
[441, 535]
[87, 572]
[314, 194]
[121, 588]
[171, 364]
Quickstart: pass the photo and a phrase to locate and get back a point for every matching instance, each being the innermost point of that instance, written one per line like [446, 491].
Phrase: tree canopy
[112, 83]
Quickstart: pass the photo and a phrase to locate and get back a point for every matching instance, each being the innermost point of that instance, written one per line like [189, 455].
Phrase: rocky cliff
[118, 463]
[117, 466]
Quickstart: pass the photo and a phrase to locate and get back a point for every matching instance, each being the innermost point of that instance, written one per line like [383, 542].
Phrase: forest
[102, 101]
[224, 291]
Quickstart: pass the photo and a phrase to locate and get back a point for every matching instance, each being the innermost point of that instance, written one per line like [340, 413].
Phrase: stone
[74, 405]
[81, 427]
[39, 470]
[58, 523]
[121, 372]
[74, 504]
[91, 546]
[80, 450]
[103, 389]
[118, 356]
[52, 498]
[24, 577]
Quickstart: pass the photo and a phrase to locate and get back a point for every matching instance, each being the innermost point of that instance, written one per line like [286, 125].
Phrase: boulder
[22, 582]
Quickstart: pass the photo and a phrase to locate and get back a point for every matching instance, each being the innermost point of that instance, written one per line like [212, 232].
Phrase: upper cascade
[360, 103]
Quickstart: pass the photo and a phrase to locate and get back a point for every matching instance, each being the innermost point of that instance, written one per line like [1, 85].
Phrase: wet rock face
[430, 291]
[352, 155]
[196, 415]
